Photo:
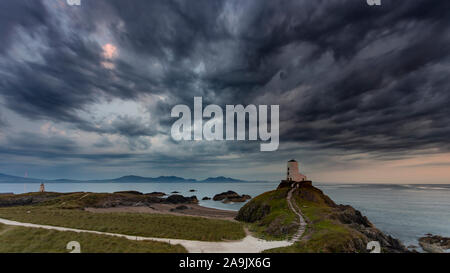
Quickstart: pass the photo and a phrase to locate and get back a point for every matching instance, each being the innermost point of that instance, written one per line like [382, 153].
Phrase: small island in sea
[294, 217]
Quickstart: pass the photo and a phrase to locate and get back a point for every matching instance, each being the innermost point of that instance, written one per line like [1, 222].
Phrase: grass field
[280, 223]
[35, 240]
[139, 224]
[324, 234]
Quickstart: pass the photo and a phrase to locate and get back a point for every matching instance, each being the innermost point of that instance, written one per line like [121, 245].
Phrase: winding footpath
[249, 244]
[301, 221]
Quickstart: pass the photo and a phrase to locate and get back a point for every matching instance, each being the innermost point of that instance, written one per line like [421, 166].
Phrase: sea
[406, 212]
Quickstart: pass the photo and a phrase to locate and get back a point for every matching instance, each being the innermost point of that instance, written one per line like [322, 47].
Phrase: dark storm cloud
[51, 148]
[12, 15]
[346, 75]
[121, 125]
[3, 121]
[34, 142]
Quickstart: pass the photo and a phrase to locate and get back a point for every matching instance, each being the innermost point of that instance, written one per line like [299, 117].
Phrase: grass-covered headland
[330, 228]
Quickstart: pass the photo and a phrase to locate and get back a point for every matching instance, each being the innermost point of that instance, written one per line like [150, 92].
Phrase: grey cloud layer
[347, 76]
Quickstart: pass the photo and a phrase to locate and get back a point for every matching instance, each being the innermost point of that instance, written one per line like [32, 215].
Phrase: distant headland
[4, 178]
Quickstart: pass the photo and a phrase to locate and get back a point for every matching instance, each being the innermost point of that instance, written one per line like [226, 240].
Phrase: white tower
[292, 172]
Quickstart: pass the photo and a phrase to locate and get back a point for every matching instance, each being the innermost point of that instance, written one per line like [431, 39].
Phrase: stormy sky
[364, 91]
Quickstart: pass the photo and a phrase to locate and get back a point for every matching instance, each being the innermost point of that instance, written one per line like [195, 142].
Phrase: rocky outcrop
[156, 194]
[348, 215]
[95, 200]
[27, 199]
[130, 192]
[206, 198]
[22, 201]
[434, 243]
[231, 196]
[179, 199]
[252, 212]
[223, 195]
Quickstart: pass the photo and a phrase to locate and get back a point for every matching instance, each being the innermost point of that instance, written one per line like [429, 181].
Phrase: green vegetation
[269, 216]
[139, 224]
[323, 234]
[35, 240]
[74, 200]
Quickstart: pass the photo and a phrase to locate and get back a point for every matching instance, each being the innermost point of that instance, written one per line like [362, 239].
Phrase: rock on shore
[95, 200]
[231, 196]
[434, 243]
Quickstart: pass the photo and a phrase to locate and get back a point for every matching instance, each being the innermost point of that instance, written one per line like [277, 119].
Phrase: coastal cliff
[330, 227]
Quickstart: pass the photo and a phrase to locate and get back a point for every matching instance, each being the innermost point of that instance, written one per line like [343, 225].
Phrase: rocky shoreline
[120, 198]
[434, 243]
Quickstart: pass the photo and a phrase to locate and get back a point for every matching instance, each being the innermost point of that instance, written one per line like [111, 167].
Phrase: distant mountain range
[124, 179]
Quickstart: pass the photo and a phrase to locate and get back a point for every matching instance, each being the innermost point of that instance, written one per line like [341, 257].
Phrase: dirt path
[249, 244]
[302, 223]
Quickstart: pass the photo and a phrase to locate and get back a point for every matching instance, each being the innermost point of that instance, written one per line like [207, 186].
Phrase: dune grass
[35, 240]
[139, 224]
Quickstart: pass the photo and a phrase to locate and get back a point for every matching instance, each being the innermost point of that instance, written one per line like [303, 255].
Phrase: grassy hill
[269, 216]
[331, 228]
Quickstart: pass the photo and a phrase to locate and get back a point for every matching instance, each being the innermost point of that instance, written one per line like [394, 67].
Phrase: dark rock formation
[231, 196]
[252, 212]
[348, 215]
[27, 198]
[82, 200]
[153, 199]
[179, 199]
[434, 243]
[130, 192]
[22, 201]
[191, 190]
[206, 198]
[156, 194]
[224, 195]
